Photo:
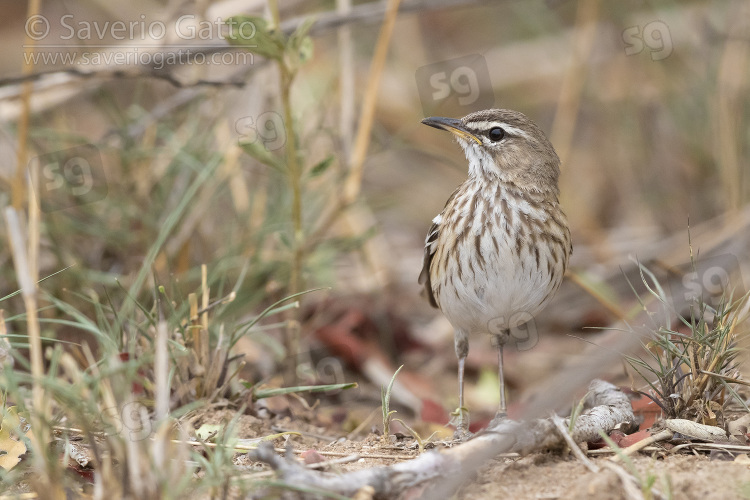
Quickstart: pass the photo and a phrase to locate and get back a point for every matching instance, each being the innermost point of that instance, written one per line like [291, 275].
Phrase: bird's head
[505, 144]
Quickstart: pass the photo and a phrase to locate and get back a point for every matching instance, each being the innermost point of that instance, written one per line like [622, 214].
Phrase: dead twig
[572, 444]
[660, 436]
[703, 432]
[712, 446]
[443, 472]
[335, 461]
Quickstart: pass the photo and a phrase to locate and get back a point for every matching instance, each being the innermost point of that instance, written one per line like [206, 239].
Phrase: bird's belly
[501, 290]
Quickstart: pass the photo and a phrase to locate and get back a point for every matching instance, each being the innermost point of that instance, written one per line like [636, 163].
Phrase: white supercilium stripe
[510, 129]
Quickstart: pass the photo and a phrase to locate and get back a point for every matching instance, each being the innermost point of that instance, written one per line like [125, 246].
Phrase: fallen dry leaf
[11, 448]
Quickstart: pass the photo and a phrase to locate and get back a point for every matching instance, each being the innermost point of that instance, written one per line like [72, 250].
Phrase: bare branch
[445, 471]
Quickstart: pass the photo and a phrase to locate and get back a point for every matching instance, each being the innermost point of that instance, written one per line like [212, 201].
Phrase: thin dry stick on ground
[445, 471]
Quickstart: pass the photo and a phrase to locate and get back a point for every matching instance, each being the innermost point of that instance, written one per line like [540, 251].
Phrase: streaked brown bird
[498, 251]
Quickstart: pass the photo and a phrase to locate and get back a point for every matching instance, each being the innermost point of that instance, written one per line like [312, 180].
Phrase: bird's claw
[500, 417]
[460, 419]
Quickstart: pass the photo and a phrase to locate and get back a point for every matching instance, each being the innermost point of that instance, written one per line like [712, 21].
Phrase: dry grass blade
[353, 181]
[572, 445]
[690, 373]
[367, 115]
[41, 411]
[629, 483]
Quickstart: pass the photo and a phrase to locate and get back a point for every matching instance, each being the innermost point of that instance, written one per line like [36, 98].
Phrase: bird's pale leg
[460, 417]
[499, 342]
[502, 410]
[461, 364]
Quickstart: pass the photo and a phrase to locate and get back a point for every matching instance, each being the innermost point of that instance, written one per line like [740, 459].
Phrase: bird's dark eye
[496, 133]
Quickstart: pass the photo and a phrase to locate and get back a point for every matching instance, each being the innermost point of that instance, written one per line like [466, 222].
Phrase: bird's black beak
[452, 125]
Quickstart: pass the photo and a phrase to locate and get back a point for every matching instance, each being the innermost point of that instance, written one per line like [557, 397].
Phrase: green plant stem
[295, 278]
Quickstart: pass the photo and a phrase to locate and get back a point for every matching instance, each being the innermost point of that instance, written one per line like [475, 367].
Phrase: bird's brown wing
[430, 245]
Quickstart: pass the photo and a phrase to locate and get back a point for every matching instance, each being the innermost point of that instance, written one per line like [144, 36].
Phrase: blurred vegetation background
[647, 104]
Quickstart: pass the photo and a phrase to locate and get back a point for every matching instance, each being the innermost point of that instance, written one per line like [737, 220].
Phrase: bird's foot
[460, 418]
[500, 417]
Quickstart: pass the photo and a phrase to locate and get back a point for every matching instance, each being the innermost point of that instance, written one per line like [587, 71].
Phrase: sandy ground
[546, 476]
[538, 476]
